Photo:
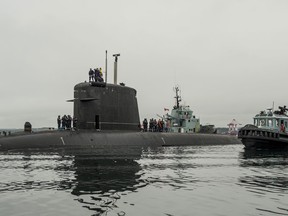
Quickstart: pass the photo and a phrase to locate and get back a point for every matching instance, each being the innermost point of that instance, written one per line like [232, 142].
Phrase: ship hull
[264, 143]
[262, 138]
[73, 140]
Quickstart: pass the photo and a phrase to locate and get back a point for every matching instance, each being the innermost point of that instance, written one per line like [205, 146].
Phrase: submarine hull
[106, 118]
[108, 140]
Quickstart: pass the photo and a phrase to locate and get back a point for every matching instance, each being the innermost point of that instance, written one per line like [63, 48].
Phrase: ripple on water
[198, 180]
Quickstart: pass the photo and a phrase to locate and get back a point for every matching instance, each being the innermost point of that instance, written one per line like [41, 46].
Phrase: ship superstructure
[181, 119]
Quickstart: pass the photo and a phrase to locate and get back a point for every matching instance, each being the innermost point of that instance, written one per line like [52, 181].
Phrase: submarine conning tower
[103, 106]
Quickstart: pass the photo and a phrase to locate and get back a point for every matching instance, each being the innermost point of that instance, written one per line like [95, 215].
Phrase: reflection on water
[105, 180]
[198, 180]
[95, 181]
[268, 167]
[267, 175]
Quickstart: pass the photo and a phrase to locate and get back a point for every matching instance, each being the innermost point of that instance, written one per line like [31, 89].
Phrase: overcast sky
[229, 57]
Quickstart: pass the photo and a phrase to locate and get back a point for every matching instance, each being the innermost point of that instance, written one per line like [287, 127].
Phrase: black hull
[107, 141]
[264, 143]
[253, 137]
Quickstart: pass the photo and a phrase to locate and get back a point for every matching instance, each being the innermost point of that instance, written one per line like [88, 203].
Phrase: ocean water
[170, 181]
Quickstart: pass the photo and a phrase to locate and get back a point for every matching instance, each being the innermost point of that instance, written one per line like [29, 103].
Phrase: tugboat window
[277, 123]
[262, 122]
[256, 122]
[270, 123]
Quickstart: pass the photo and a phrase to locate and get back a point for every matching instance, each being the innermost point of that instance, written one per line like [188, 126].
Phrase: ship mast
[115, 67]
[178, 97]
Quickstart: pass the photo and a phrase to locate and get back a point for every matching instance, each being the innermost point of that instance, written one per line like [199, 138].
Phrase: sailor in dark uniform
[64, 122]
[59, 121]
[145, 124]
[96, 74]
[69, 121]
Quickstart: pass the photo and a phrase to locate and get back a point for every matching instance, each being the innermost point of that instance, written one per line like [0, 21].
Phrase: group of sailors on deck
[96, 75]
[66, 122]
[154, 125]
[5, 133]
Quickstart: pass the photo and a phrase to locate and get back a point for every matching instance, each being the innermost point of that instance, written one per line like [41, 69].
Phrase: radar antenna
[283, 109]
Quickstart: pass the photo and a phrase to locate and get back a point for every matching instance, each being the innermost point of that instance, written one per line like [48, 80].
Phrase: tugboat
[268, 131]
[182, 119]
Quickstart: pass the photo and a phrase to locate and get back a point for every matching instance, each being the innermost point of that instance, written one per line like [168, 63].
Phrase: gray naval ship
[108, 118]
[182, 119]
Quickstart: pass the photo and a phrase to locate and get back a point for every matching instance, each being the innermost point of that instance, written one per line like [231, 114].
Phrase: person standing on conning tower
[101, 75]
[90, 75]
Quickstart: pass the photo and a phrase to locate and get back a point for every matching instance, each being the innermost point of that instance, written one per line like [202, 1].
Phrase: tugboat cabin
[277, 121]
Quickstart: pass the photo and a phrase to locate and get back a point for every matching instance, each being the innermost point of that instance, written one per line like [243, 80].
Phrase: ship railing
[255, 132]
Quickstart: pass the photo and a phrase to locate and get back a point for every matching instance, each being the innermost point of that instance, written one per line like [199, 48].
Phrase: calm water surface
[171, 181]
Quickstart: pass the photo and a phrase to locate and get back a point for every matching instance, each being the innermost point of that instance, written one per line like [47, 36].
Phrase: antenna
[178, 97]
[106, 67]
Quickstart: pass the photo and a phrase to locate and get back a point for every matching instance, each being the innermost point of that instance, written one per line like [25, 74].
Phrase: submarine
[108, 119]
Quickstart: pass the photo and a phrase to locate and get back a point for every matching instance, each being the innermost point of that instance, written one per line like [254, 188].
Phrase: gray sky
[229, 57]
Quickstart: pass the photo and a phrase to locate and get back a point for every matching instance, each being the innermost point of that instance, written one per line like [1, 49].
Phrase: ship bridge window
[262, 122]
[276, 122]
[256, 122]
[285, 124]
[270, 123]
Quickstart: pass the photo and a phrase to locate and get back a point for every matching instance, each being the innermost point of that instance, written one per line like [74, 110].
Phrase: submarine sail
[106, 107]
